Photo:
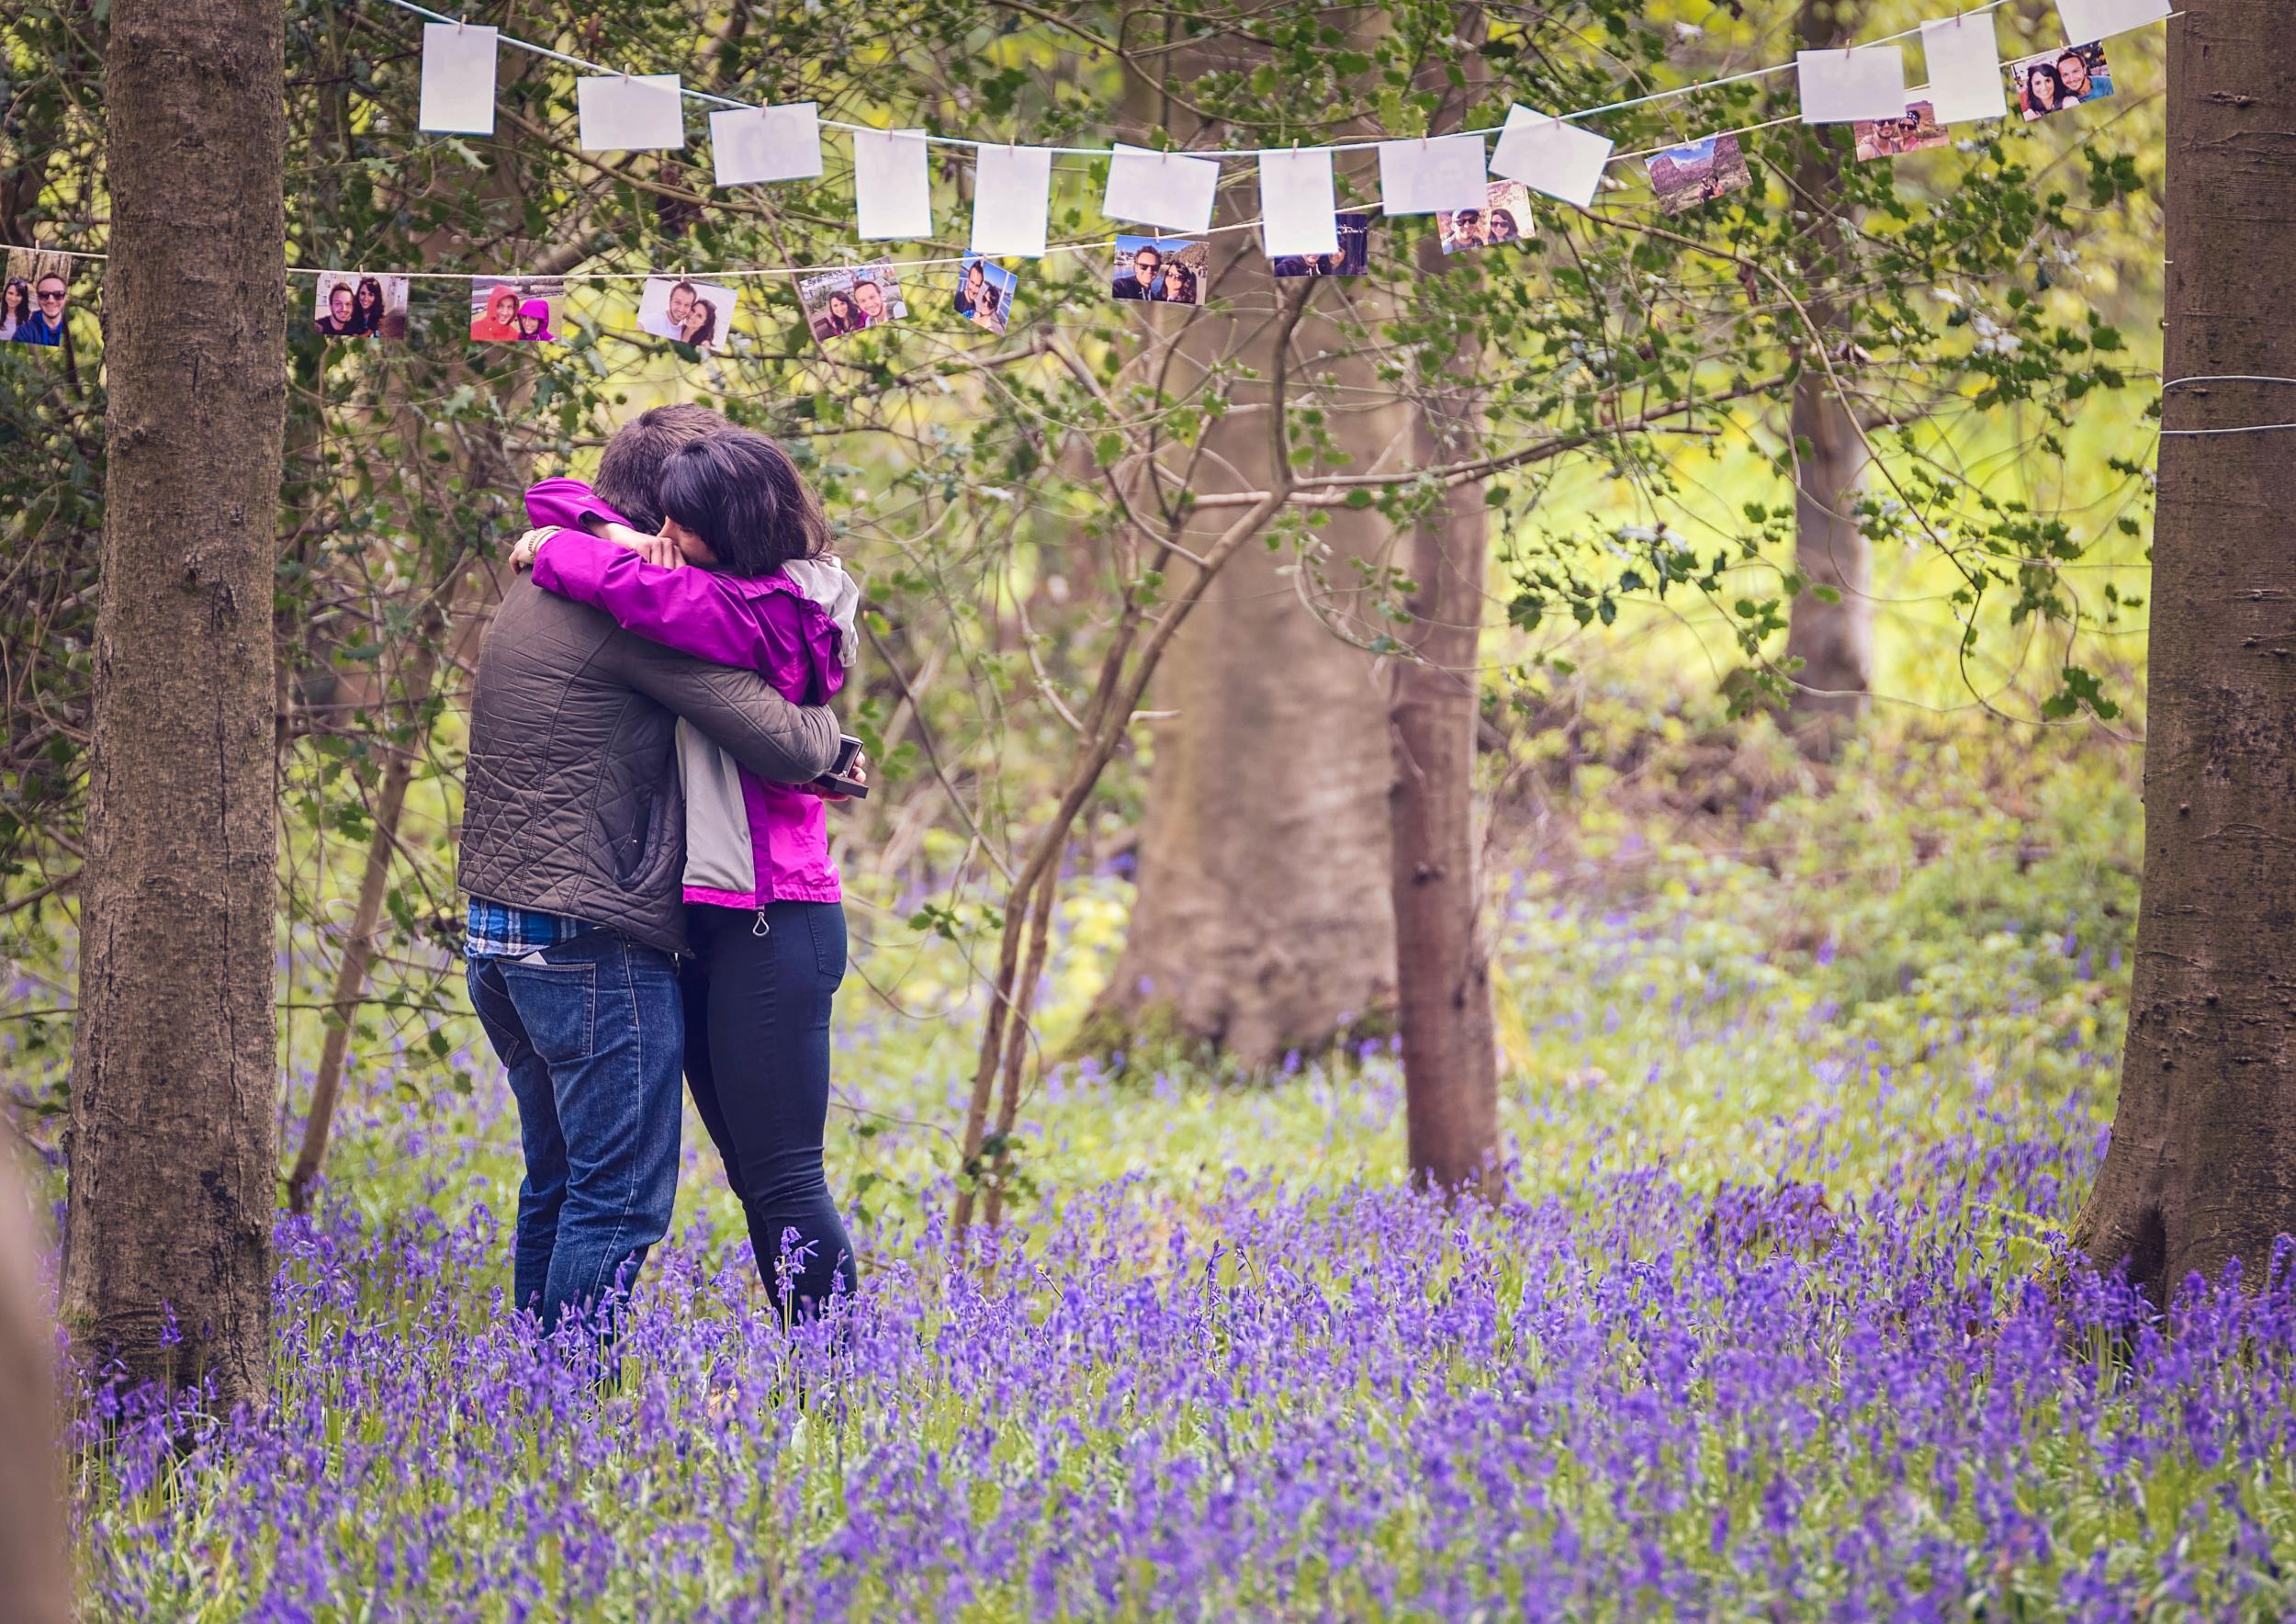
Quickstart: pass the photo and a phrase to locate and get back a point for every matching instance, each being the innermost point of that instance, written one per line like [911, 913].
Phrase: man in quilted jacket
[573, 851]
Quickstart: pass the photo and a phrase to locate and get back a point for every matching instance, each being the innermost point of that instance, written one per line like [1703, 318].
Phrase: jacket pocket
[558, 1005]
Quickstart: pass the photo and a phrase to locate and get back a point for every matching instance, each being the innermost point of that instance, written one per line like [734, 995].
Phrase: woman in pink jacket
[765, 912]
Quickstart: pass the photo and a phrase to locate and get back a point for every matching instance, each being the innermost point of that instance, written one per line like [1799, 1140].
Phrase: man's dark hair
[1146, 248]
[629, 472]
[739, 492]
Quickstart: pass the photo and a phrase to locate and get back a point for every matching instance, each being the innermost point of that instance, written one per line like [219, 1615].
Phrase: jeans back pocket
[558, 1004]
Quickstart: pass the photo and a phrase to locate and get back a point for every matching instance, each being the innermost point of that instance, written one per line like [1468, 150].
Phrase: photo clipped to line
[1352, 260]
[1698, 172]
[686, 312]
[984, 291]
[1889, 138]
[1505, 217]
[35, 297]
[516, 310]
[851, 299]
[352, 304]
[1161, 270]
[2056, 80]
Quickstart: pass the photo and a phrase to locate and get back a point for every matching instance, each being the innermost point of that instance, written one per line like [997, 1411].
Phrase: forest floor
[1804, 1081]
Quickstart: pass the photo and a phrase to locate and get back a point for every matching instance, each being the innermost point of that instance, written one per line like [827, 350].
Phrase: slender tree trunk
[1831, 635]
[34, 1576]
[1443, 962]
[1260, 926]
[2202, 1165]
[174, 1176]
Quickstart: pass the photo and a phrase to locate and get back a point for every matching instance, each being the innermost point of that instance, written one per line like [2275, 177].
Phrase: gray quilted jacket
[571, 798]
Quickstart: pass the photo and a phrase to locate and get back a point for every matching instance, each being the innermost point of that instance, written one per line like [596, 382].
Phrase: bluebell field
[1776, 1322]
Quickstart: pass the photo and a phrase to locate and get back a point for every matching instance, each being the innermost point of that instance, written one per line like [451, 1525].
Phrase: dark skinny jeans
[758, 992]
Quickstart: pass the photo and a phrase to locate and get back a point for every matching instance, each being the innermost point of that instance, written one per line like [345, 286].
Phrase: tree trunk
[1261, 925]
[174, 1175]
[2202, 1165]
[1442, 961]
[1831, 635]
[35, 1574]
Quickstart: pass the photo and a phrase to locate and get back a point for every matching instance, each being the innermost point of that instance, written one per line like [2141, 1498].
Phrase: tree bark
[1831, 636]
[174, 1175]
[1442, 958]
[35, 1574]
[2202, 1165]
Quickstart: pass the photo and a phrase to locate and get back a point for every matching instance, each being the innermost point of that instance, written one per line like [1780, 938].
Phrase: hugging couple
[646, 853]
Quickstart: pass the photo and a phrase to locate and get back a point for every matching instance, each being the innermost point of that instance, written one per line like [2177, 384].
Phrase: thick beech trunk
[35, 1577]
[2202, 1165]
[1831, 635]
[174, 1178]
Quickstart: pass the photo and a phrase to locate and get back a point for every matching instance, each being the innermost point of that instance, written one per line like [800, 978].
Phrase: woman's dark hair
[1176, 275]
[23, 291]
[2056, 87]
[708, 332]
[629, 469]
[366, 317]
[1507, 215]
[848, 320]
[740, 493]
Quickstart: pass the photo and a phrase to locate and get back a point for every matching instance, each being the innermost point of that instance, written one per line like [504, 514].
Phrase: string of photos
[1480, 195]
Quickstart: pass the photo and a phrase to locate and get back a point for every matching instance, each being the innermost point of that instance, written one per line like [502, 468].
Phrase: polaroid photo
[515, 310]
[1160, 270]
[352, 304]
[685, 312]
[2056, 80]
[1505, 217]
[1888, 138]
[1698, 172]
[1352, 260]
[852, 297]
[35, 297]
[985, 293]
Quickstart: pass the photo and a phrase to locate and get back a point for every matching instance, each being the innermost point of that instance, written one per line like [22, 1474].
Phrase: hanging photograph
[985, 293]
[852, 297]
[36, 297]
[1353, 258]
[685, 312]
[2056, 80]
[1505, 217]
[1166, 270]
[515, 310]
[1698, 172]
[352, 304]
[1888, 138]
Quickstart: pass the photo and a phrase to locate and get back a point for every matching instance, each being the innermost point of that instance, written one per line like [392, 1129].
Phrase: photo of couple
[350, 305]
[35, 297]
[1352, 260]
[2056, 80]
[1698, 172]
[1169, 270]
[699, 313]
[1888, 138]
[851, 299]
[679, 619]
[513, 309]
[985, 293]
[1504, 217]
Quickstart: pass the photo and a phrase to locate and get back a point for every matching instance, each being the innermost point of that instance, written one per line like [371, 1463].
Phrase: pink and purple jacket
[749, 842]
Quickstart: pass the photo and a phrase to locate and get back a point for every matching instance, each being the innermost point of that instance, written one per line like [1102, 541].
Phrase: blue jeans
[758, 995]
[592, 1034]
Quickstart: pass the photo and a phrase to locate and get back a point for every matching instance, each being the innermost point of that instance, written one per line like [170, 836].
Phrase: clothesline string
[714, 99]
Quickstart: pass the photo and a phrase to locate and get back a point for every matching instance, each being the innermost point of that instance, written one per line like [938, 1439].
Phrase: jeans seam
[607, 1259]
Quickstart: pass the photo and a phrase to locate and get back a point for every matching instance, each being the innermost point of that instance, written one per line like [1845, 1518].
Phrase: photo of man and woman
[1698, 172]
[1167, 270]
[985, 293]
[1505, 217]
[1886, 138]
[2056, 80]
[513, 309]
[852, 297]
[350, 304]
[699, 313]
[1352, 260]
[35, 296]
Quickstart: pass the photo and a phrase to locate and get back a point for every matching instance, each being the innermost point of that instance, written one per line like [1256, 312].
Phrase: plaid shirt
[496, 930]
